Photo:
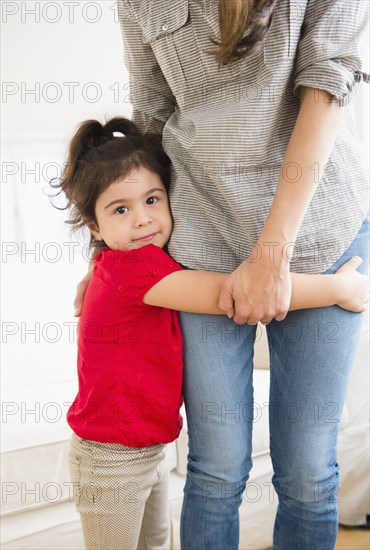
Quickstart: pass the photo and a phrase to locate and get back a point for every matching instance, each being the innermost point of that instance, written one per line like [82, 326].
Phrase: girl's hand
[257, 291]
[353, 287]
[80, 293]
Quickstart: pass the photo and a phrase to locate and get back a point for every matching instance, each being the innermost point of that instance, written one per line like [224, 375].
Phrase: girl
[129, 345]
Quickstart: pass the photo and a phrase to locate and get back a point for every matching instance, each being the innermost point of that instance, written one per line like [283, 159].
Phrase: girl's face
[133, 211]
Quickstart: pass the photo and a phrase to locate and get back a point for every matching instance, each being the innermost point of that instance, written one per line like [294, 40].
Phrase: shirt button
[164, 28]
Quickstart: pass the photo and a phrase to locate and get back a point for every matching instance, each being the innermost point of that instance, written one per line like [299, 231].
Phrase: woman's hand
[257, 291]
[80, 293]
[353, 287]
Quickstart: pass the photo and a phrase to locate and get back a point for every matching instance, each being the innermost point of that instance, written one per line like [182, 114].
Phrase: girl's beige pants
[121, 494]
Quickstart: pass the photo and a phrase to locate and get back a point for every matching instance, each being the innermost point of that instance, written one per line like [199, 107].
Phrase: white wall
[45, 46]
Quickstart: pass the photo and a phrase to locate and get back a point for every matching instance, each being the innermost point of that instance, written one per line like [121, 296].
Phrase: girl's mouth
[146, 237]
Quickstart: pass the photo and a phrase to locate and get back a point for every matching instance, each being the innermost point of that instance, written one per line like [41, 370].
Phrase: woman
[253, 102]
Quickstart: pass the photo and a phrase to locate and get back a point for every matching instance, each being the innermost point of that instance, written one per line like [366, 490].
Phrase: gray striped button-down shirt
[226, 128]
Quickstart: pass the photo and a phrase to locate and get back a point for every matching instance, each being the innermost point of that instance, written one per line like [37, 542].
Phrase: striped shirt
[226, 128]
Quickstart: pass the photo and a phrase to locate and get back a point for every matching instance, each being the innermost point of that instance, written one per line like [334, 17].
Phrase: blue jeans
[311, 355]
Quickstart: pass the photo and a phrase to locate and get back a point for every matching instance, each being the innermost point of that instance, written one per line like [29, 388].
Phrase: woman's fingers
[226, 300]
[80, 293]
[79, 298]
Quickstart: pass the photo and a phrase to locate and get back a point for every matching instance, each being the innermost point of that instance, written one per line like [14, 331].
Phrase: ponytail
[243, 27]
[90, 135]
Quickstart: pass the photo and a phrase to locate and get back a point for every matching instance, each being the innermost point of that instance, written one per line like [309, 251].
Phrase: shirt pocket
[275, 59]
[269, 71]
[168, 29]
[282, 39]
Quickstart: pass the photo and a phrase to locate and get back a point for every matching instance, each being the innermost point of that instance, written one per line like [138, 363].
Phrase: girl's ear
[94, 230]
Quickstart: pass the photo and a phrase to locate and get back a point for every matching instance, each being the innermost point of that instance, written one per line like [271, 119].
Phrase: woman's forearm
[303, 165]
[261, 291]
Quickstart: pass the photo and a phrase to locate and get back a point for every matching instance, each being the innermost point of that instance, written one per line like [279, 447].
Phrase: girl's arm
[198, 291]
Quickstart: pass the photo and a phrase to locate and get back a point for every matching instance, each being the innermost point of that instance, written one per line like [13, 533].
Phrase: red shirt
[129, 353]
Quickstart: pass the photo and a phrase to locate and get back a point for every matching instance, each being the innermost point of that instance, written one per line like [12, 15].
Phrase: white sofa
[37, 508]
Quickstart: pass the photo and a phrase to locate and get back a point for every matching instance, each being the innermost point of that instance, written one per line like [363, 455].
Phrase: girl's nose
[142, 217]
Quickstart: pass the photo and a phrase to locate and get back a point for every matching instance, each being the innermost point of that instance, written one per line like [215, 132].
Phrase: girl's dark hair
[243, 27]
[98, 155]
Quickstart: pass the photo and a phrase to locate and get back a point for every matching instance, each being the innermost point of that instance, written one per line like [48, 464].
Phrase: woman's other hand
[80, 293]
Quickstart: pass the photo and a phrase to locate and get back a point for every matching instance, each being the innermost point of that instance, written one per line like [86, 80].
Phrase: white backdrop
[62, 62]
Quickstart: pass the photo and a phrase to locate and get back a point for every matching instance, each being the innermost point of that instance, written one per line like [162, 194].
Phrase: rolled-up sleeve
[151, 98]
[328, 55]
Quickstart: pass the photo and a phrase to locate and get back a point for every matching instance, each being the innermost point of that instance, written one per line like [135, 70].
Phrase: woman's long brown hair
[243, 27]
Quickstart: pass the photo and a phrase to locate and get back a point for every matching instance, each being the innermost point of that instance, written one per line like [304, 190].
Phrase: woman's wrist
[273, 255]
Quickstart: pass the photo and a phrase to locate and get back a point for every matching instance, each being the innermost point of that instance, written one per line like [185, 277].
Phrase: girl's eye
[152, 200]
[121, 210]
